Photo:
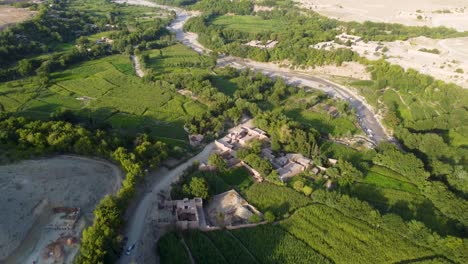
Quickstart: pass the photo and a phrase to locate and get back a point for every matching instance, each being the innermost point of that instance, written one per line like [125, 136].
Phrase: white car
[129, 250]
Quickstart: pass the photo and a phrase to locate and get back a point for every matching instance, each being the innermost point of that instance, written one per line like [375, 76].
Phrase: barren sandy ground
[29, 188]
[449, 13]
[449, 65]
[352, 70]
[11, 15]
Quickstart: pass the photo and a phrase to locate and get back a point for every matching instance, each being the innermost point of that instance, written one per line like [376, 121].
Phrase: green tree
[199, 187]
[217, 161]
[307, 190]
[24, 67]
[298, 185]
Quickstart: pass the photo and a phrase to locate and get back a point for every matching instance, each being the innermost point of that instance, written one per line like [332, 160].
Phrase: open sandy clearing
[449, 13]
[30, 189]
[445, 59]
[12, 15]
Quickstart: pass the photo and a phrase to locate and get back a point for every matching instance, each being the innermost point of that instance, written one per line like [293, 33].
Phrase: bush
[269, 217]
[307, 190]
[254, 219]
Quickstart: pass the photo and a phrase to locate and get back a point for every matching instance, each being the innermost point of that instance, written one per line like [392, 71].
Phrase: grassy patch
[237, 177]
[225, 86]
[176, 58]
[383, 181]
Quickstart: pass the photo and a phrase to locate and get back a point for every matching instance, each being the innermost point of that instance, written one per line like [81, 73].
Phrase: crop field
[248, 24]
[310, 232]
[237, 177]
[129, 13]
[344, 239]
[219, 181]
[203, 251]
[105, 90]
[99, 35]
[261, 244]
[270, 197]
[313, 234]
[176, 58]
[272, 244]
[390, 192]
[380, 177]
[171, 251]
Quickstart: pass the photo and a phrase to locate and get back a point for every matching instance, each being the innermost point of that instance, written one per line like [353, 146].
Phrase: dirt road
[368, 120]
[136, 64]
[164, 179]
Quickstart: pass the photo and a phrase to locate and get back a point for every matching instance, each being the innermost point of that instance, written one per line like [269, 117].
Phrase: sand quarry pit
[448, 13]
[11, 15]
[39, 195]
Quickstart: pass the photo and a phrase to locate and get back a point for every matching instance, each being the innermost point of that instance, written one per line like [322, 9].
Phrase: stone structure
[186, 213]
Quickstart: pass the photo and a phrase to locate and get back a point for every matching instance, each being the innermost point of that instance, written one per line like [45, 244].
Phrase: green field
[390, 192]
[347, 240]
[263, 244]
[313, 234]
[277, 199]
[378, 177]
[323, 122]
[176, 59]
[248, 24]
[105, 90]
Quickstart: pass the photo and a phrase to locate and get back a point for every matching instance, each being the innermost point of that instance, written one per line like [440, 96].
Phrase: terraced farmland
[105, 90]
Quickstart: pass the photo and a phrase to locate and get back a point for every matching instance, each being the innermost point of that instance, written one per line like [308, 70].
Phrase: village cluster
[229, 209]
[287, 165]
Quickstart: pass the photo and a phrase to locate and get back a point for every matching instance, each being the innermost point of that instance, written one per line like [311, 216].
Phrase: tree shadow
[318, 124]
[423, 211]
